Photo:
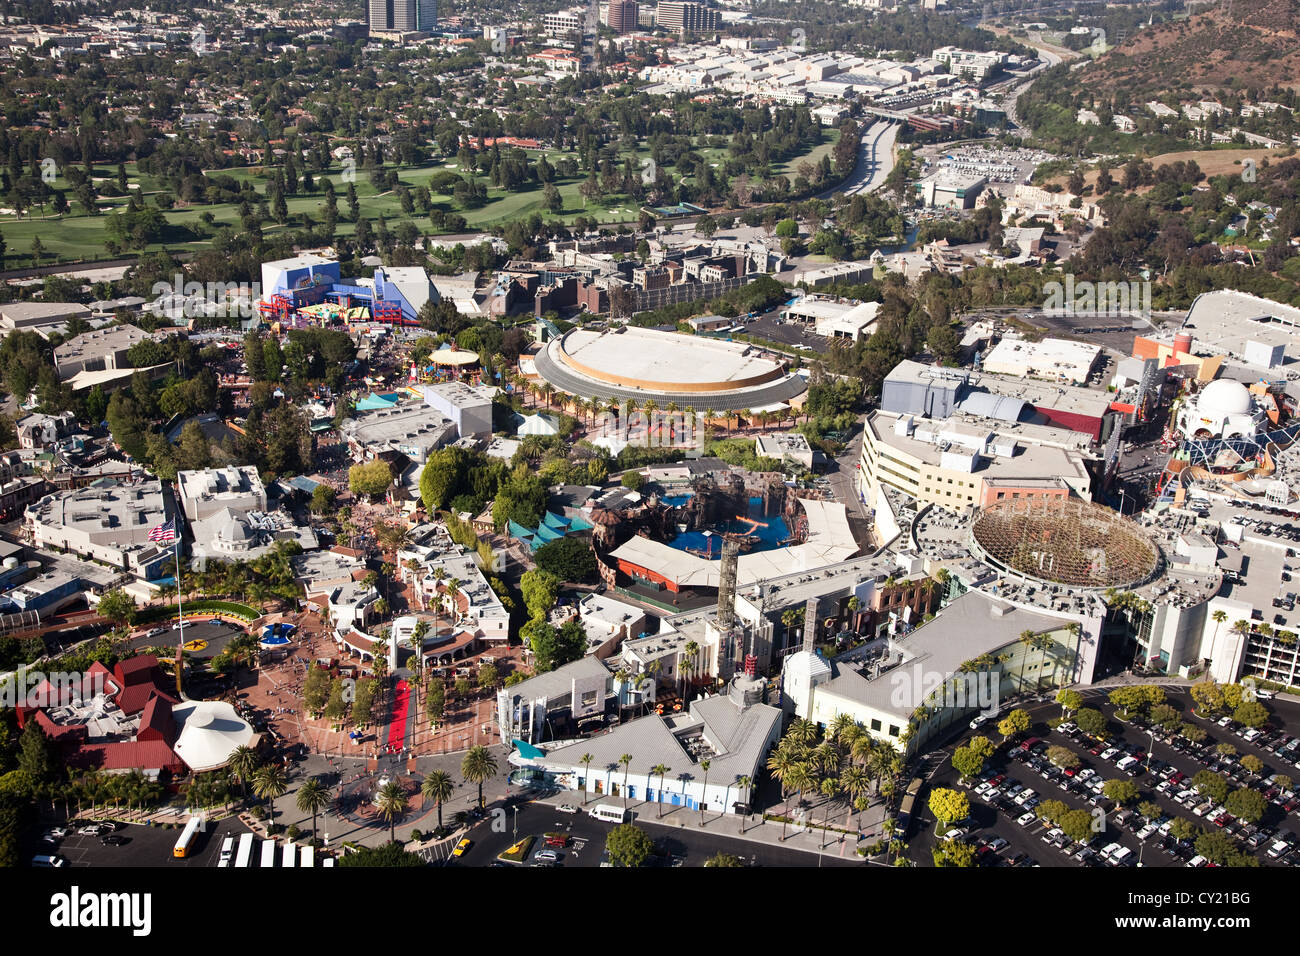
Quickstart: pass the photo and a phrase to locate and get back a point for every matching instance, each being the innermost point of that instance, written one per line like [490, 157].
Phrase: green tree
[270, 783]
[1063, 757]
[372, 479]
[948, 806]
[723, 859]
[437, 786]
[478, 766]
[391, 801]
[1211, 785]
[967, 762]
[955, 853]
[1246, 804]
[313, 797]
[628, 845]
[36, 757]
[1091, 722]
[117, 606]
[1121, 791]
[1014, 723]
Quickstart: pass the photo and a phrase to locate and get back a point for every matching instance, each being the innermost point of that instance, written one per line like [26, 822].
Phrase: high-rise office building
[403, 16]
[686, 17]
[621, 16]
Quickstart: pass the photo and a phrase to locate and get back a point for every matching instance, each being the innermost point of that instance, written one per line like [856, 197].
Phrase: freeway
[875, 160]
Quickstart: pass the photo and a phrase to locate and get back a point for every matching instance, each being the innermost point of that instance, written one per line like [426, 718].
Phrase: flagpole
[180, 617]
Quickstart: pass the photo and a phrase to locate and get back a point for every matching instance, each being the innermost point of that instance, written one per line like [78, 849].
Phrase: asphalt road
[676, 835]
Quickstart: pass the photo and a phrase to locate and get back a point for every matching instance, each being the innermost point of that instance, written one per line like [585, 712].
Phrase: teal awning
[527, 750]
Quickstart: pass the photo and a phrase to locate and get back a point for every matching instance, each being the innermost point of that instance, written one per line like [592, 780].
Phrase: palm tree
[803, 731]
[704, 794]
[626, 761]
[1219, 616]
[1026, 642]
[586, 767]
[856, 784]
[781, 766]
[243, 765]
[744, 784]
[829, 788]
[801, 779]
[313, 797]
[391, 802]
[270, 783]
[662, 770]
[437, 787]
[688, 665]
[478, 766]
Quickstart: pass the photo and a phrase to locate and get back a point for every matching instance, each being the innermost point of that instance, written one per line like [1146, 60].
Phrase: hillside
[1251, 42]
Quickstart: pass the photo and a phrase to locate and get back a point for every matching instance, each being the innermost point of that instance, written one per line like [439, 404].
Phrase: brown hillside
[1253, 42]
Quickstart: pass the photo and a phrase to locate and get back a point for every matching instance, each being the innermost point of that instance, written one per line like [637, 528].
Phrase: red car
[1071, 771]
[1096, 749]
[997, 781]
[560, 842]
[1177, 777]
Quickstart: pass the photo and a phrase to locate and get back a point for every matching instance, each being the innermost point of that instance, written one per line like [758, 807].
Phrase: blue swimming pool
[771, 531]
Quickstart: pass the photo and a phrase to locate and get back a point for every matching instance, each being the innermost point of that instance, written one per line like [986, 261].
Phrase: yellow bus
[185, 842]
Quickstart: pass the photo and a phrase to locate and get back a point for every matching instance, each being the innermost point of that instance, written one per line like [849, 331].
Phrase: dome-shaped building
[1223, 409]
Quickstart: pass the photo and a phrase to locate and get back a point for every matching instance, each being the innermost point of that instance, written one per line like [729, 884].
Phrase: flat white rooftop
[666, 357]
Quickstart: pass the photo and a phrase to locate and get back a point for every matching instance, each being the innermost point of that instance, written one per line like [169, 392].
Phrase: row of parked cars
[1256, 837]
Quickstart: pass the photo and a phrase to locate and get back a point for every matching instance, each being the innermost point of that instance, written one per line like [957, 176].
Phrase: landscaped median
[227, 609]
[519, 852]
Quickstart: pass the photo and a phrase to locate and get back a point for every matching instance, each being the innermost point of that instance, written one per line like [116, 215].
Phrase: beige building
[965, 462]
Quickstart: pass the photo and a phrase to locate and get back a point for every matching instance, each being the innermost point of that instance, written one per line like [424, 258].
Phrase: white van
[609, 813]
[1127, 764]
[1197, 861]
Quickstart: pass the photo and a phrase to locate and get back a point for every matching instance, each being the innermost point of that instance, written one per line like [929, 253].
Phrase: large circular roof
[1222, 398]
[1065, 541]
[689, 370]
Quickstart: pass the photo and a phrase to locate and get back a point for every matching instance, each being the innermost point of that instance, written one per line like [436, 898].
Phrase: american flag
[163, 532]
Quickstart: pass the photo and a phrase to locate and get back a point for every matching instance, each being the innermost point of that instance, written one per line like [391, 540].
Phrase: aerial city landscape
[852, 433]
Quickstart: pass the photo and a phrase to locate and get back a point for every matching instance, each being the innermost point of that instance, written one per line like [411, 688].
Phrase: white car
[1024, 795]
[1085, 774]
[1225, 722]
[979, 722]
[1109, 753]
[1025, 819]
[567, 808]
[982, 788]
[1146, 831]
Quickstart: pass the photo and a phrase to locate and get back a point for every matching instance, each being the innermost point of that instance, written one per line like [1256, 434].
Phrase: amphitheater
[688, 370]
[1064, 541]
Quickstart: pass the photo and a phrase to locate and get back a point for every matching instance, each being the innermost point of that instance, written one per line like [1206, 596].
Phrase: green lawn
[80, 237]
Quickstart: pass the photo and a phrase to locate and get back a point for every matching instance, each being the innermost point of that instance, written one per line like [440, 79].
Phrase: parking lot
[141, 846]
[1018, 778]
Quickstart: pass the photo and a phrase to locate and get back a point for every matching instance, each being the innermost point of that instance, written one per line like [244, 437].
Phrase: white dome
[1222, 398]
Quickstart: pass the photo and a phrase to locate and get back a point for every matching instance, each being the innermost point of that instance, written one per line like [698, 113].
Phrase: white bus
[185, 842]
[308, 857]
[245, 855]
[290, 855]
[609, 813]
[268, 853]
[227, 847]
